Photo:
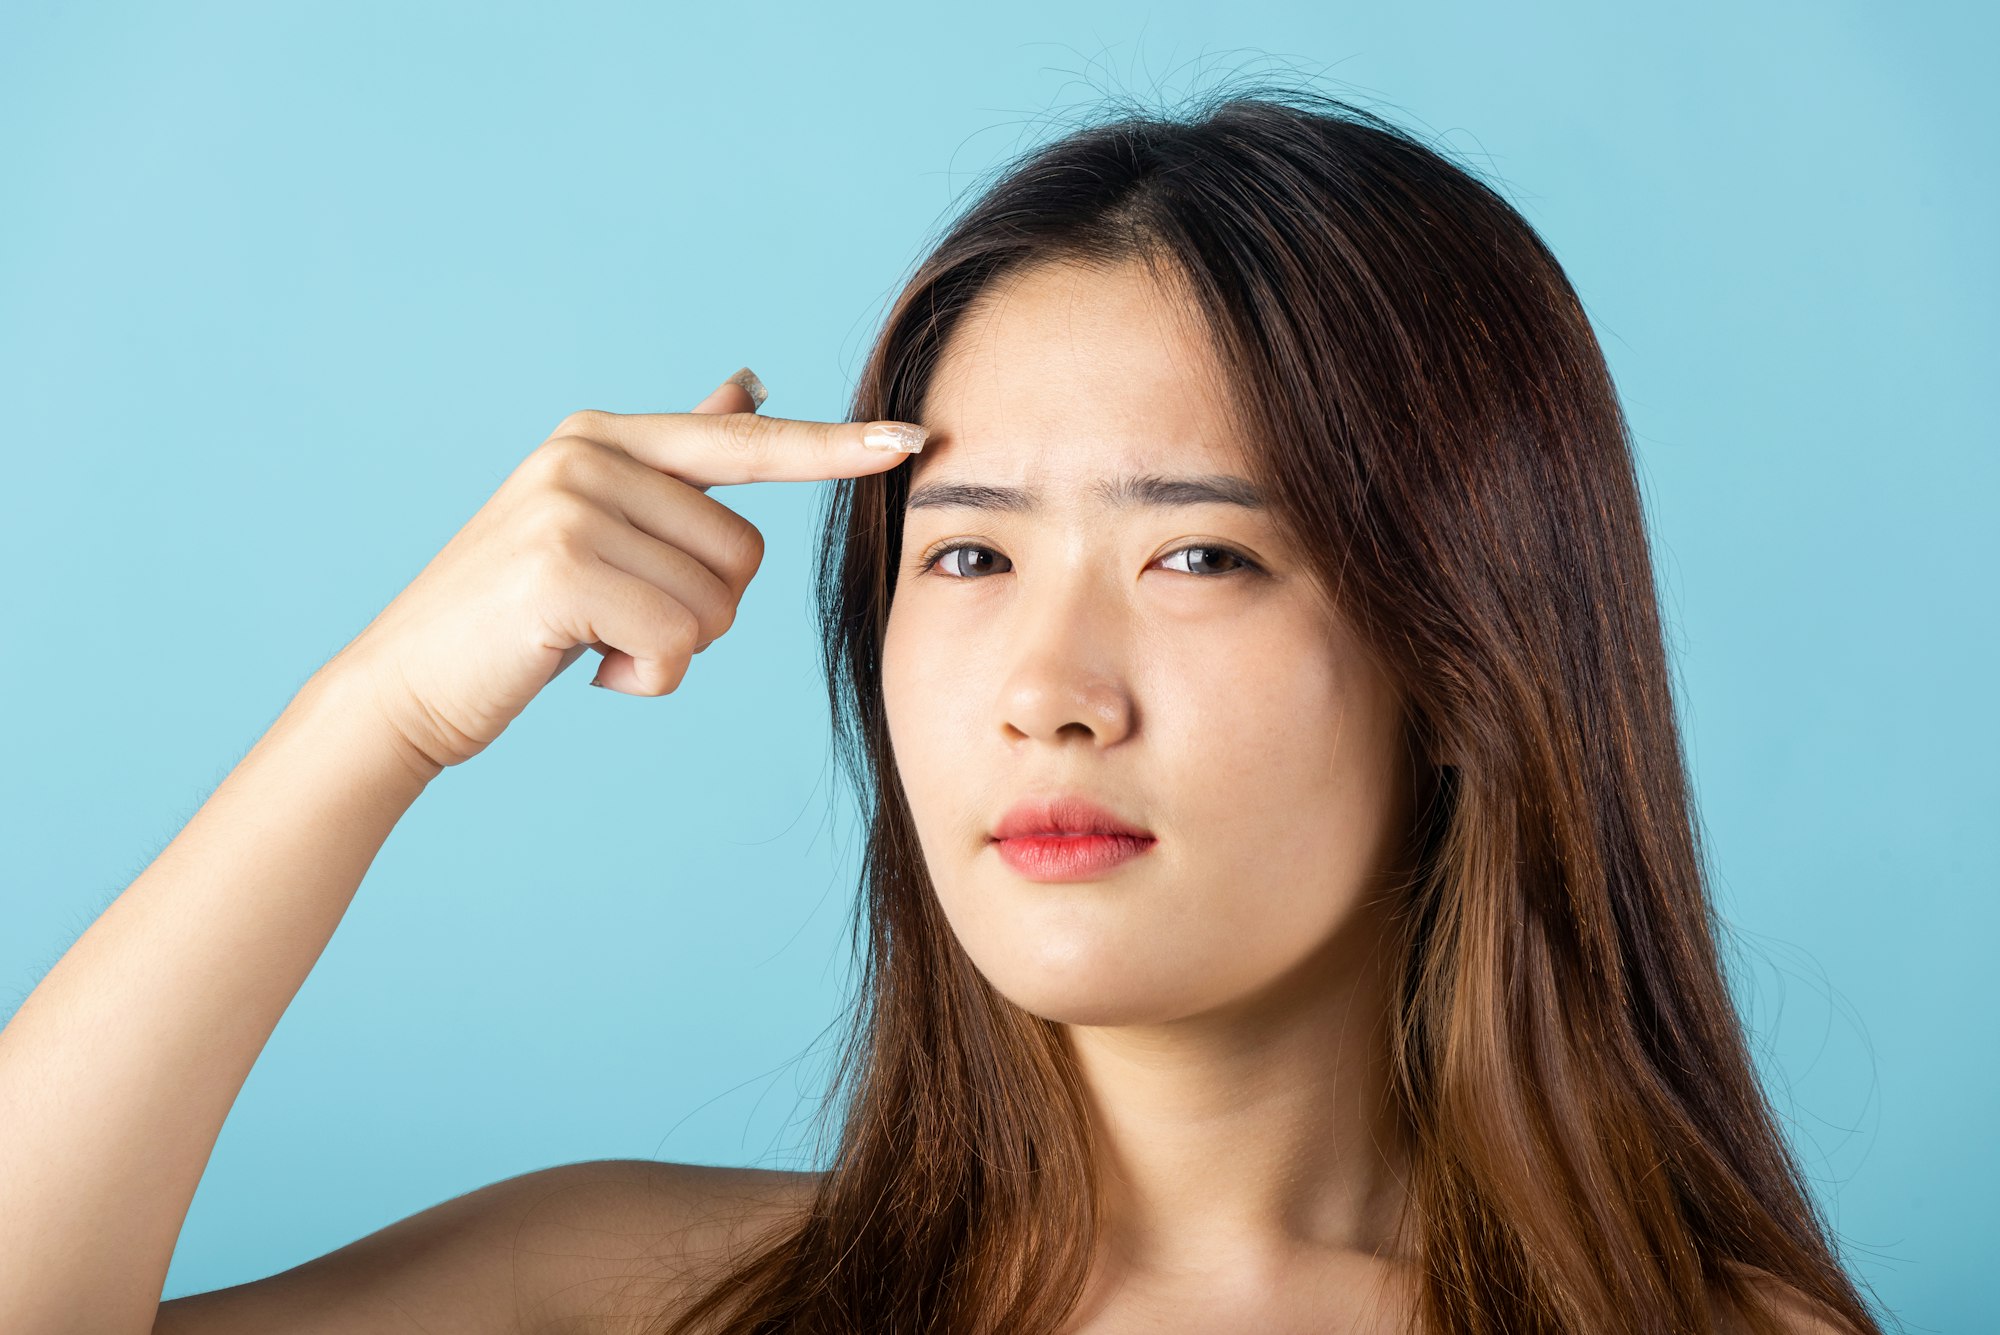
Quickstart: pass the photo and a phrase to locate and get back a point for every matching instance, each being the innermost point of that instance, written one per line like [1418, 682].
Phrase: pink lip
[1069, 857]
[1063, 813]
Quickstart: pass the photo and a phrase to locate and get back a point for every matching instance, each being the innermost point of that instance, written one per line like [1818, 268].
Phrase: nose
[1068, 674]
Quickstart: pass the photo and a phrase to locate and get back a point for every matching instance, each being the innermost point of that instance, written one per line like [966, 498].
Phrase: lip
[1064, 814]
[1067, 837]
[1069, 857]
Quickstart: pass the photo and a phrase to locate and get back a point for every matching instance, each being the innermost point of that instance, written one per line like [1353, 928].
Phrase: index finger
[706, 449]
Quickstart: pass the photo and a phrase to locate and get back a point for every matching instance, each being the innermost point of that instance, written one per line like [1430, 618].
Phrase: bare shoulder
[1794, 1312]
[593, 1248]
[624, 1243]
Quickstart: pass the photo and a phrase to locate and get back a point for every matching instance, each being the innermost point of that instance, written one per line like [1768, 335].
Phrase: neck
[1245, 1137]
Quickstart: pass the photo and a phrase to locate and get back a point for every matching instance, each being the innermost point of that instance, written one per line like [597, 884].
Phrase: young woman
[1284, 903]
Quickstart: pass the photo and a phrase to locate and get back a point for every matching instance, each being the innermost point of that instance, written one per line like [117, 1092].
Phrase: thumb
[741, 393]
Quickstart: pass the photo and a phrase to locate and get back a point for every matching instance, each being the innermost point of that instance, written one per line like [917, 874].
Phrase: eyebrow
[1144, 490]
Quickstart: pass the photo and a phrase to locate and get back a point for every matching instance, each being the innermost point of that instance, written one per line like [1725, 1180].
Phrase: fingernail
[752, 386]
[595, 682]
[905, 436]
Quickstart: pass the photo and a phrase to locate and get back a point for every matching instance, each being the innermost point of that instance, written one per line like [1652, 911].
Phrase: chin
[1093, 1012]
[1085, 986]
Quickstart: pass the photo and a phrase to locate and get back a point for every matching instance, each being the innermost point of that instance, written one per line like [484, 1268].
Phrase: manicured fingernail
[752, 386]
[905, 436]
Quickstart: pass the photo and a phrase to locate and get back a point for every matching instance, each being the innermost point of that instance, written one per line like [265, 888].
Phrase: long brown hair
[1431, 410]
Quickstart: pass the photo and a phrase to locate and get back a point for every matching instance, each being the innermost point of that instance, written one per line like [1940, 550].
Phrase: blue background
[285, 292]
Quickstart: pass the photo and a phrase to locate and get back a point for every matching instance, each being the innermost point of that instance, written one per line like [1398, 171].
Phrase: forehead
[1062, 372]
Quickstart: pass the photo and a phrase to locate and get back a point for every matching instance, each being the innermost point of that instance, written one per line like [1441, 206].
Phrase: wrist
[341, 708]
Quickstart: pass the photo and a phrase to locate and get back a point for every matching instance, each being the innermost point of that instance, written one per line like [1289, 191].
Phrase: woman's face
[1076, 648]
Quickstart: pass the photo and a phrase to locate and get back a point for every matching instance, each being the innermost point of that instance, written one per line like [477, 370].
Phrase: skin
[1225, 993]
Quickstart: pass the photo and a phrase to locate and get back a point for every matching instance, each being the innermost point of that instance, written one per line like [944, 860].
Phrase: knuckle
[547, 575]
[724, 618]
[742, 433]
[570, 463]
[558, 525]
[545, 458]
[579, 423]
[682, 632]
[745, 555]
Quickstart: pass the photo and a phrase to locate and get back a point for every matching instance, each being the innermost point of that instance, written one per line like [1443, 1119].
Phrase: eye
[1212, 552]
[938, 554]
[1209, 550]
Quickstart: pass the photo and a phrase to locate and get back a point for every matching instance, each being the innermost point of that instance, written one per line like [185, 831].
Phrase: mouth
[1054, 856]
[1064, 815]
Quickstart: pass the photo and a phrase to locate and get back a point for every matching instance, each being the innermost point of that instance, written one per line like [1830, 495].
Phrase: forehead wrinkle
[1123, 492]
[985, 358]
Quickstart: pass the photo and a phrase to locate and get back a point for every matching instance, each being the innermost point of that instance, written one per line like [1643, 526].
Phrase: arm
[119, 1068]
[117, 1072]
[604, 1247]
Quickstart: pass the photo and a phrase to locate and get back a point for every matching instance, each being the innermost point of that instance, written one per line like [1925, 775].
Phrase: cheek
[913, 692]
[1296, 774]
[1266, 841]
[1266, 790]
[1261, 766]
[924, 697]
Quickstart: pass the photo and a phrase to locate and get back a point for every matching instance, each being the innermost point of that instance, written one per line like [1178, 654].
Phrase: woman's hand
[603, 537]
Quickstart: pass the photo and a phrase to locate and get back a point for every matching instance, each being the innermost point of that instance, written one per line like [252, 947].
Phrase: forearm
[119, 1069]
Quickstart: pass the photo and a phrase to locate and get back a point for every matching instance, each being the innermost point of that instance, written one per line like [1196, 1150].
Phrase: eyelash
[1246, 565]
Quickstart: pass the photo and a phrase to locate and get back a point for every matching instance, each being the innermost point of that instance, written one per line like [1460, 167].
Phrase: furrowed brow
[1149, 491]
